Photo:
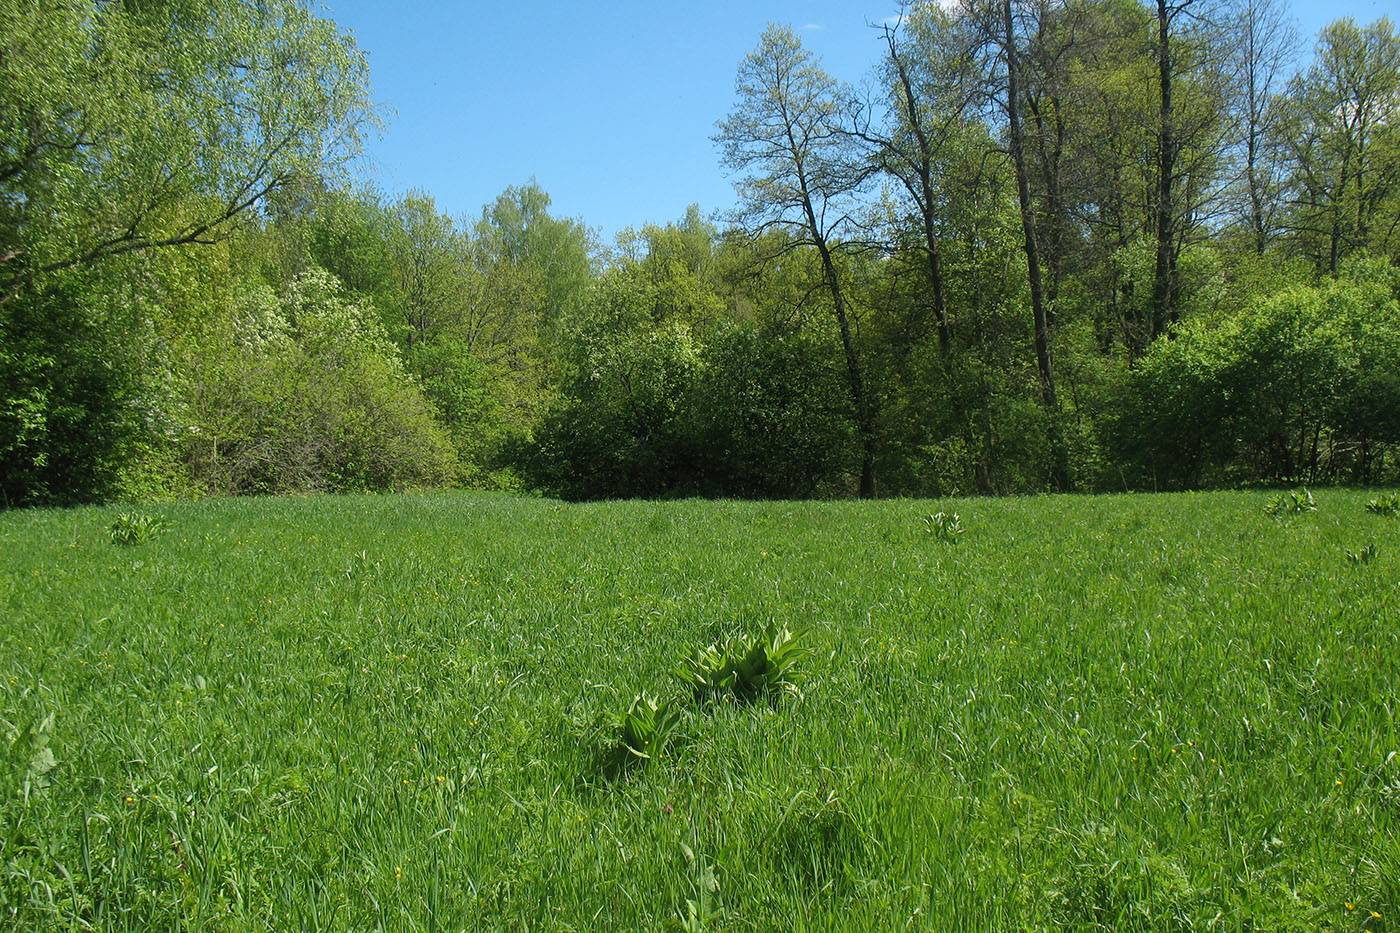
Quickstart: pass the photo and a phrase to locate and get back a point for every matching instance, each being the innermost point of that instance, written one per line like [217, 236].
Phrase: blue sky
[610, 106]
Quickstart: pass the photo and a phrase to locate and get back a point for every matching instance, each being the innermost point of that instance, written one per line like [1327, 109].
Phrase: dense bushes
[71, 405]
[305, 393]
[1303, 386]
[654, 412]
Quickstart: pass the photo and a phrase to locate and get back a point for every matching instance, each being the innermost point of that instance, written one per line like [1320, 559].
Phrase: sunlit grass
[1136, 712]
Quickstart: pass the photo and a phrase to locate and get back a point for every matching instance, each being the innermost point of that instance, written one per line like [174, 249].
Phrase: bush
[620, 429]
[771, 416]
[306, 395]
[71, 400]
[1305, 386]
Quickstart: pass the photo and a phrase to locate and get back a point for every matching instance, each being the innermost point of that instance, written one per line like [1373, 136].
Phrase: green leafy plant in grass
[703, 910]
[1291, 503]
[1385, 506]
[745, 668]
[647, 726]
[945, 526]
[1363, 555]
[136, 527]
[30, 754]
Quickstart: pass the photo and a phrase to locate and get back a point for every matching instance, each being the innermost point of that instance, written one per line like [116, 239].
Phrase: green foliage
[1342, 141]
[1284, 504]
[770, 415]
[745, 668]
[72, 396]
[136, 527]
[1296, 388]
[517, 230]
[619, 427]
[304, 392]
[127, 127]
[944, 526]
[647, 727]
[1388, 506]
[126, 130]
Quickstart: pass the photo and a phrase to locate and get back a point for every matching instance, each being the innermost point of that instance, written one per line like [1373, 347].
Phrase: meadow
[1145, 712]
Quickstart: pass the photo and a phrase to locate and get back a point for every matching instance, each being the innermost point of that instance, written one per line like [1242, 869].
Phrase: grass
[1130, 713]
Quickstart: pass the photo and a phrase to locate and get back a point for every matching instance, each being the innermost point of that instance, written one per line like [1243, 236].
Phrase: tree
[931, 91]
[133, 126]
[786, 135]
[432, 269]
[1344, 121]
[1008, 38]
[128, 130]
[517, 228]
[1266, 45]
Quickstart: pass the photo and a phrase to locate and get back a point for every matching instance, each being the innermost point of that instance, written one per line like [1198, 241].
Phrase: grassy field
[1137, 712]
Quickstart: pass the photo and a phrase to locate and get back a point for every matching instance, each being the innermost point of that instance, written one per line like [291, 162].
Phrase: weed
[1386, 506]
[944, 526]
[647, 726]
[30, 755]
[1291, 503]
[704, 908]
[136, 527]
[745, 668]
[1363, 555]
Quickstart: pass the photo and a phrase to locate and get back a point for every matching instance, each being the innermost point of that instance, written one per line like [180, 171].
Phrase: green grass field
[1137, 712]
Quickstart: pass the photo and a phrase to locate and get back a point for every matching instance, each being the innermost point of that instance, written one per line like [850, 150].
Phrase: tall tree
[786, 134]
[131, 126]
[927, 72]
[127, 129]
[517, 228]
[1165, 271]
[1266, 44]
[1344, 121]
[1014, 101]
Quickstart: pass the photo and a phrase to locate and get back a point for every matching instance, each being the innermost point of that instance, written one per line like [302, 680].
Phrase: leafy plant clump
[945, 526]
[30, 754]
[1363, 555]
[647, 726]
[1291, 503]
[136, 527]
[1386, 506]
[746, 668]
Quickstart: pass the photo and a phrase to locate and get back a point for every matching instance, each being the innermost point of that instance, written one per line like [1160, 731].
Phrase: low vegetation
[1148, 712]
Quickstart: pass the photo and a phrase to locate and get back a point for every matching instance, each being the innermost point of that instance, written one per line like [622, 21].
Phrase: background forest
[1078, 245]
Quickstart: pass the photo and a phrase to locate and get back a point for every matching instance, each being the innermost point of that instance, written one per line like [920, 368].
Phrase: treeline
[1074, 245]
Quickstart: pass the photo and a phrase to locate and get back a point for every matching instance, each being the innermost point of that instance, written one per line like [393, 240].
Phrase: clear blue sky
[609, 105]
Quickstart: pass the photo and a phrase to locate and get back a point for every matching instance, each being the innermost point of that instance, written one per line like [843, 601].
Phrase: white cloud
[813, 26]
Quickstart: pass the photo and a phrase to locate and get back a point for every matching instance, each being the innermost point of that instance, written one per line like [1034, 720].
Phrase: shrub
[311, 396]
[1305, 385]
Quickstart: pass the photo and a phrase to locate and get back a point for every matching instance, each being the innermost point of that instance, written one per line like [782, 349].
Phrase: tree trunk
[1163, 292]
[924, 170]
[1023, 191]
[865, 421]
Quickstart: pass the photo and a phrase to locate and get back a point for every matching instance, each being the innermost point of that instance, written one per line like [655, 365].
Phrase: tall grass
[1127, 713]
